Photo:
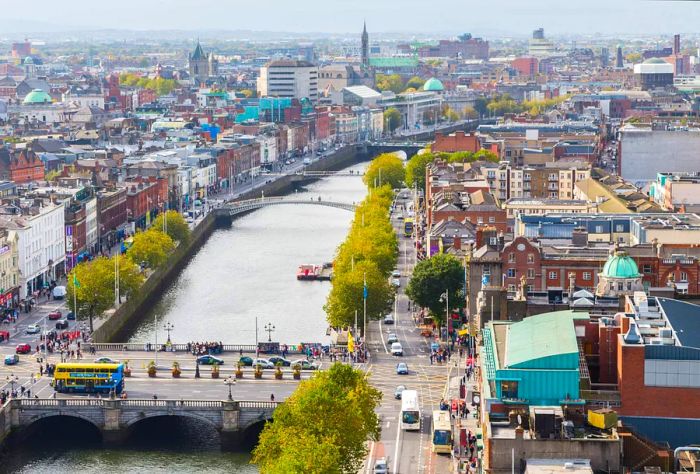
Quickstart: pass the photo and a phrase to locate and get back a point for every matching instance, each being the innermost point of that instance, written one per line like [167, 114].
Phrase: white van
[396, 349]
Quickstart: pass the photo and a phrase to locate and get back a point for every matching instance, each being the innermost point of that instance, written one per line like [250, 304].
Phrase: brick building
[144, 197]
[526, 66]
[112, 215]
[458, 141]
[20, 166]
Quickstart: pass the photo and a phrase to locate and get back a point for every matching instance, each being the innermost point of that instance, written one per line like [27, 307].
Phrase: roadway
[405, 451]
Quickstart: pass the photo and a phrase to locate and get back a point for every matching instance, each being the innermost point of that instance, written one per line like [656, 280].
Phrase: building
[654, 73]
[289, 78]
[202, 66]
[676, 191]
[20, 166]
[364, 57]
[526, 66]
[529, 206]
[539, 46]
[620, 276]
[458, 141]
[9, 265]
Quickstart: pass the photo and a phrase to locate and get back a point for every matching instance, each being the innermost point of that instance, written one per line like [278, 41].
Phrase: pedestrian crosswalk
[429, 381]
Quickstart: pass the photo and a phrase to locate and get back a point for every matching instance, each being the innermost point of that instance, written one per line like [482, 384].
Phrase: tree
[481, 106]
[92, 283]
[451, 115]
[150, 247]
[389, 82]
[415, 169]
[392, 118]
[176, 226]
[130, 276]
[431, 278]
[415, 82]
[385, 169]
[299, 440]
[248, 93]
[486, 155]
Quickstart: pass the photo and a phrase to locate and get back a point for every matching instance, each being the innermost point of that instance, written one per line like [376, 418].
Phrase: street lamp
[270, 329]
[12, 379]
[230, 381]
[168, 327]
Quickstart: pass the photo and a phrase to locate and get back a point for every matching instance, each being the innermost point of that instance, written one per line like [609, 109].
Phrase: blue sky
[424, 16]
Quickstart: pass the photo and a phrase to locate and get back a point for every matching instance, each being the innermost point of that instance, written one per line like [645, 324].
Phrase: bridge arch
[132, 423]
[55, 425]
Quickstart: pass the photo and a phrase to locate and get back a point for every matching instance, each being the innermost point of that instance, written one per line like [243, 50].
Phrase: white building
[41, 245]
[289, 78]
[91, 234]
[268, 149]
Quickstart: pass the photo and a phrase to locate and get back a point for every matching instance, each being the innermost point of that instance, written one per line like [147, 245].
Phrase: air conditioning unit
[666, 333]
[656, 341]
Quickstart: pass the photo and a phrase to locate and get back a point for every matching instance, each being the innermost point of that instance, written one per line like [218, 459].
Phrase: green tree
[298, 440]
[389, 82]
[481, 106]
[130, 276]
[415, 169]
[451, 115]
[431, 278]
[415, 82]
[176, 226]
[92, 283]
[385, 169]
[486, 155]
[392, 118]
[151, 247]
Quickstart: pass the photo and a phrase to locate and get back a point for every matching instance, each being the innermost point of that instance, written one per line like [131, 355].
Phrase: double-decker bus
[441, 436]
[408, 226]
[88, 378]
[410, 410]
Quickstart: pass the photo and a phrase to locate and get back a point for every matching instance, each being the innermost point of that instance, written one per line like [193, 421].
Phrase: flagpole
[364, 309]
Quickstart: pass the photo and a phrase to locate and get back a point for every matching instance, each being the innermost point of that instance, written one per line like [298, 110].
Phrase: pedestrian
[155, 397]
[272, 397]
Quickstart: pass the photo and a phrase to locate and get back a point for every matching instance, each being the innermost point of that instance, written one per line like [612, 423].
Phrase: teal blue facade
[540, 387]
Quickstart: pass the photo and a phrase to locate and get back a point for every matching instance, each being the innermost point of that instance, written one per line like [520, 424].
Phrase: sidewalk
[463, 426]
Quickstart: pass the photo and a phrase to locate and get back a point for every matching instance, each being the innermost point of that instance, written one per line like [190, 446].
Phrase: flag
[76, 283]
[351, 342]
[364, 288]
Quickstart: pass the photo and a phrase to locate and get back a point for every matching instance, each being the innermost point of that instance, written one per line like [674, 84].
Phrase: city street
[405, 451]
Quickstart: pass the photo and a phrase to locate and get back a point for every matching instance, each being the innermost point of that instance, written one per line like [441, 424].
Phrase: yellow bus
[441, 438]
[88, 378]
[408, 227]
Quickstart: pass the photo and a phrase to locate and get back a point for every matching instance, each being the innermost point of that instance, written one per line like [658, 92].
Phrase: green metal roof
[543, 341]
[433, 84]
[621, 265]
[393, 62]
[37, 96]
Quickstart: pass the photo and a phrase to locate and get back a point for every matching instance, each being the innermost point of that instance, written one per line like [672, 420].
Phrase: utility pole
[364, 307]
[155, 329]
[116, 280]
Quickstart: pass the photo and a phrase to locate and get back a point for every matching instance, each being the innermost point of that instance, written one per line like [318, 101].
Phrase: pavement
[405, 451]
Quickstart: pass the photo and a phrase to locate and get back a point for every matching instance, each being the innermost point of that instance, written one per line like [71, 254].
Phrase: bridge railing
[136, 403]
[254, 404]
[149, 347]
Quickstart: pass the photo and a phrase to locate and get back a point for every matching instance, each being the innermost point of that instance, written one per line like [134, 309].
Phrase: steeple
[365, 47]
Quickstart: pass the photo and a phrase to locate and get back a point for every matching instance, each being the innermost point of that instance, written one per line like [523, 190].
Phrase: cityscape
[350, 238]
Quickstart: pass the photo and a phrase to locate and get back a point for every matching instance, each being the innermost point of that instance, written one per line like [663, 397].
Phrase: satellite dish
[520, 420]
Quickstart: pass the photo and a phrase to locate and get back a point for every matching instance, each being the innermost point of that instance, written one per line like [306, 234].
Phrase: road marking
[382, 335]
[369, 459]
[396, 449]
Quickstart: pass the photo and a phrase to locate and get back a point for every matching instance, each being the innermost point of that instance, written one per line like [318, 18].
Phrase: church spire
[365, 47]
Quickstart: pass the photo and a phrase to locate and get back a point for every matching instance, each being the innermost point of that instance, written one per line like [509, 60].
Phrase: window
[619, 228]
[646, 268]
[620, 287]
[599, 229]
[511, 288]
[486, 271]
[530, 288]
[511, 257]
[511, 273]
[509, 389]
[531, 273]
[479, 220]
[587, 276]
[492, 219]
[531, 258]
[684, 276]
[629, 286]
[552, 275]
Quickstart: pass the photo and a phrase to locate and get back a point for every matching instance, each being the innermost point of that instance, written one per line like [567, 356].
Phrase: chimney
[457, 243]
[579, 237]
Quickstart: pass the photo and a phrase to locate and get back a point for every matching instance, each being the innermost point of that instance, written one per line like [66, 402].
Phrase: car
[23, 349]
[400, 217]
[106, 360]
[33, 329]
[305, 364]
[264, 363]
[396, 274]
[388, 319]
[396, 349]
[381, 466]
[280, 360]
[402, 368]
[246, 361]
[399, 390]
[70, 316]
[54, 315]
[62, 324]
[209, 360]
[396, 282]
[392, 338]
[11, 359]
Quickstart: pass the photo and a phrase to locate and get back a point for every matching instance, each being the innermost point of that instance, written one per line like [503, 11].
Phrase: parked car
[209, 360]
[23, 349]
[399, 390]
[396, 349]
[381, 466]
[284, 362]
[392, 338]
[70, 316]
[402, 368]
[59, 292]
[54, 315]
[388, 319]
[106, 360]
[11, 359]
[396, 282]
[246, 361]
[396, 274]
[264, 363]
[306, 365]
[33, 329]
[62, 324]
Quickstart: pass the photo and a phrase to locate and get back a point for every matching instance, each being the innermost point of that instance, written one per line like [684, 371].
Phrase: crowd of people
[203, 348]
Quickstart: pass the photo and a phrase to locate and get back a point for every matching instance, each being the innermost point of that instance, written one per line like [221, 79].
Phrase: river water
[240, 273]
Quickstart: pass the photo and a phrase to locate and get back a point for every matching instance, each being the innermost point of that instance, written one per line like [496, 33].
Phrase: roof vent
[633, 336]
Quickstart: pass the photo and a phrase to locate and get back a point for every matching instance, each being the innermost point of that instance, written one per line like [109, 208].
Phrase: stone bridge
[239, 207]
[116, 418]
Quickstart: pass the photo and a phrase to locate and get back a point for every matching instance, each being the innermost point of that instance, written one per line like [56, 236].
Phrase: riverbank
[129, 315]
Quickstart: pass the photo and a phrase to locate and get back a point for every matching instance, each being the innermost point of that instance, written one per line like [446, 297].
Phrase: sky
[504, 17]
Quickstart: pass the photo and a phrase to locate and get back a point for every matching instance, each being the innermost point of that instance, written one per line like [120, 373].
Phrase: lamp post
[12, 379]
[168, 327]
[446, 298]
[270, 329]
[230, 381]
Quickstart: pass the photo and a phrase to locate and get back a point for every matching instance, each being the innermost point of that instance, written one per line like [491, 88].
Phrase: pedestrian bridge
[321, 174]
[115, 418]
[239, 207]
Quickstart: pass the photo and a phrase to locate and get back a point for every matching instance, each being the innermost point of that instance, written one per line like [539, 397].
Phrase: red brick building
[526, 66]
[458, 141]
[144, 196]
[20, 166]
[112, 215]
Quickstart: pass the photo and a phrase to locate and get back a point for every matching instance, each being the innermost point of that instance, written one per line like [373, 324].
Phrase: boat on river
[315, 272]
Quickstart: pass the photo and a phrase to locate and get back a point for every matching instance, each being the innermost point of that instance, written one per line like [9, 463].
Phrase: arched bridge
[239, 207]
[115, 418]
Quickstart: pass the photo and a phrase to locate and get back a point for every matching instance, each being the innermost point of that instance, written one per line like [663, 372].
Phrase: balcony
[681, 261]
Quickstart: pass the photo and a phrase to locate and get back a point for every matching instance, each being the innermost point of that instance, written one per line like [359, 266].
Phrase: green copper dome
[37, 96]
[434, 85]
[620, 265]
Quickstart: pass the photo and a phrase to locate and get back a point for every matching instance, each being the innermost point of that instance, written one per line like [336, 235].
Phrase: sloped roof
[198, 53]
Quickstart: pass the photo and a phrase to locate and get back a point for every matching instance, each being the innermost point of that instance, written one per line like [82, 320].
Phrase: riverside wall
[119, 326]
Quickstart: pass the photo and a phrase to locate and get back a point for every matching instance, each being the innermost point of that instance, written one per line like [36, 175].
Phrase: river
[240, 273]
